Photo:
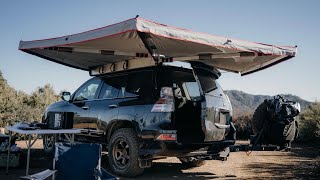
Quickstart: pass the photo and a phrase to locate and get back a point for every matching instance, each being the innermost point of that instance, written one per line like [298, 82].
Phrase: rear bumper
[156, 147]
[208, 150]
[154, 134]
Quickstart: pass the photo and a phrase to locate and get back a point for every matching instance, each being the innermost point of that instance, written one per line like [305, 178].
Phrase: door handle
[85, 107]
[113, 106]
[222, 126]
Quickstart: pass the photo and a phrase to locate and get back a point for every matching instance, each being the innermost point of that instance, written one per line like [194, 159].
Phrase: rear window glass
[207, 82]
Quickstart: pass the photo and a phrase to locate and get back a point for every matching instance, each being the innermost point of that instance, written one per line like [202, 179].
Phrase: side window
[185, 85]
[139, 84]
[129, 85]
[88, 91]
[192, 88]
[113, 87]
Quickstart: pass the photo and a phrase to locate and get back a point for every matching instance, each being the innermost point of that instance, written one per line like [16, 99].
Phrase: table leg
[54, 165]
[28, 155]
[54, 156]
[9, 148]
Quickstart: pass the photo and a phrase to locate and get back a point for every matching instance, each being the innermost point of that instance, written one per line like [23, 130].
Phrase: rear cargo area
[187, 115]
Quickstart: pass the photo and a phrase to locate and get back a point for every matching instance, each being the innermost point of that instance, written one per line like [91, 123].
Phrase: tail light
[167, 137]
[165, 102]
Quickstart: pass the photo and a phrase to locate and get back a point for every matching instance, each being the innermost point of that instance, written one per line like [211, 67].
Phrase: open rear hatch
[138, 43]
[215, 108]
[202, 110]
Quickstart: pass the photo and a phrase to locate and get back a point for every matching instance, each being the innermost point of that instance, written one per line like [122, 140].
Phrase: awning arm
[152, 48]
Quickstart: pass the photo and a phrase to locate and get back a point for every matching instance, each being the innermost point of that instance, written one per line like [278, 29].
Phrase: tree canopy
[310, 123]
[19, 106]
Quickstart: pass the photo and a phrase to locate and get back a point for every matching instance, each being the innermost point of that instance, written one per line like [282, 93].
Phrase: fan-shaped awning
[137, 42]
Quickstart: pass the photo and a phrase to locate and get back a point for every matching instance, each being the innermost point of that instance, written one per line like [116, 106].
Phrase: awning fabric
[138, 38]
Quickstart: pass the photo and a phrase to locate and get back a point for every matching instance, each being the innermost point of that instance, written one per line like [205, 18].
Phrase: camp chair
[77, 161]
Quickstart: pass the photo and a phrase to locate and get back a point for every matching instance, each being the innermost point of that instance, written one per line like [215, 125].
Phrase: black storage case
[60, 120]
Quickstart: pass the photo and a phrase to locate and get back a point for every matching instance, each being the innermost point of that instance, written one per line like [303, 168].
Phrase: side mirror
[65, 96]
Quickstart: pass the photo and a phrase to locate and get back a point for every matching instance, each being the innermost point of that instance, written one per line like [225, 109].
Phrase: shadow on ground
[297, 164]
[162, 170]
[170, 170]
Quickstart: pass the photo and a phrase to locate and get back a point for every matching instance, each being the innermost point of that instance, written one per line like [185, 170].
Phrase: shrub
[243, 125]
[310, 123]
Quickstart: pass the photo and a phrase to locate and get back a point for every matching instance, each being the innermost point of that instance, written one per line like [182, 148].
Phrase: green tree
[40, 99]
[8, 101]
[310, 123]
[19, 106]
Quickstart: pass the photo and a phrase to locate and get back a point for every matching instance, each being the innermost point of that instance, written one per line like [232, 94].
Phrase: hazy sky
[272, 22]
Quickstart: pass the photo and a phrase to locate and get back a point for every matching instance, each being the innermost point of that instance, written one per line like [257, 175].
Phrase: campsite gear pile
[57, 120]
[274, 122]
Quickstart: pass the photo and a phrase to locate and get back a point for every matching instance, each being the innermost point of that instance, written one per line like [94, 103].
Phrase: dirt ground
[297, 164]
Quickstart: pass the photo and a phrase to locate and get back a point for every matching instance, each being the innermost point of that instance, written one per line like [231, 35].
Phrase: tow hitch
[207, 155]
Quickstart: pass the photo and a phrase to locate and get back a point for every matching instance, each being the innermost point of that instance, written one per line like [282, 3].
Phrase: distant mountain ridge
[244, 103]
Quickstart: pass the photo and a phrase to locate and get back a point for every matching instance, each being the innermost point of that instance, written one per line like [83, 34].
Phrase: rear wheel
[123, 150]
[191, 162]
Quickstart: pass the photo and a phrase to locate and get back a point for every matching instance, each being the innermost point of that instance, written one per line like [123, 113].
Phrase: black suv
[170, 109]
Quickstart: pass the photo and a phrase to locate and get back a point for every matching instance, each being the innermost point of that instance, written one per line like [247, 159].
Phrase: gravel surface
[297, 164]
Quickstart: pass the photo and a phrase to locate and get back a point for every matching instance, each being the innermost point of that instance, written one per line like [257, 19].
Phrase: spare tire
[278, 130]
[260, 116]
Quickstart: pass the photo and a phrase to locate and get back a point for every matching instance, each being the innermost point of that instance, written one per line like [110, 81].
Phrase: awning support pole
[150, 46]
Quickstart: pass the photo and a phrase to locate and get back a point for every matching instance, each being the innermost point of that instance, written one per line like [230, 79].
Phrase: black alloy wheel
[123, 151]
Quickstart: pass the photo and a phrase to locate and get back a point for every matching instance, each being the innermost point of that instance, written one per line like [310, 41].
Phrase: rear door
[104, 109]
[138, 93]
[214, 111]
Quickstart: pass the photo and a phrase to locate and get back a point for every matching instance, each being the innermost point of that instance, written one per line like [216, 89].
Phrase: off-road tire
[48, 147]
[188, 163]
[260, 116]
[124, 137]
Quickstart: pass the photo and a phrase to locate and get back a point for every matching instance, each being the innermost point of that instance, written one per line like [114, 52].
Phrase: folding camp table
[69, 134]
